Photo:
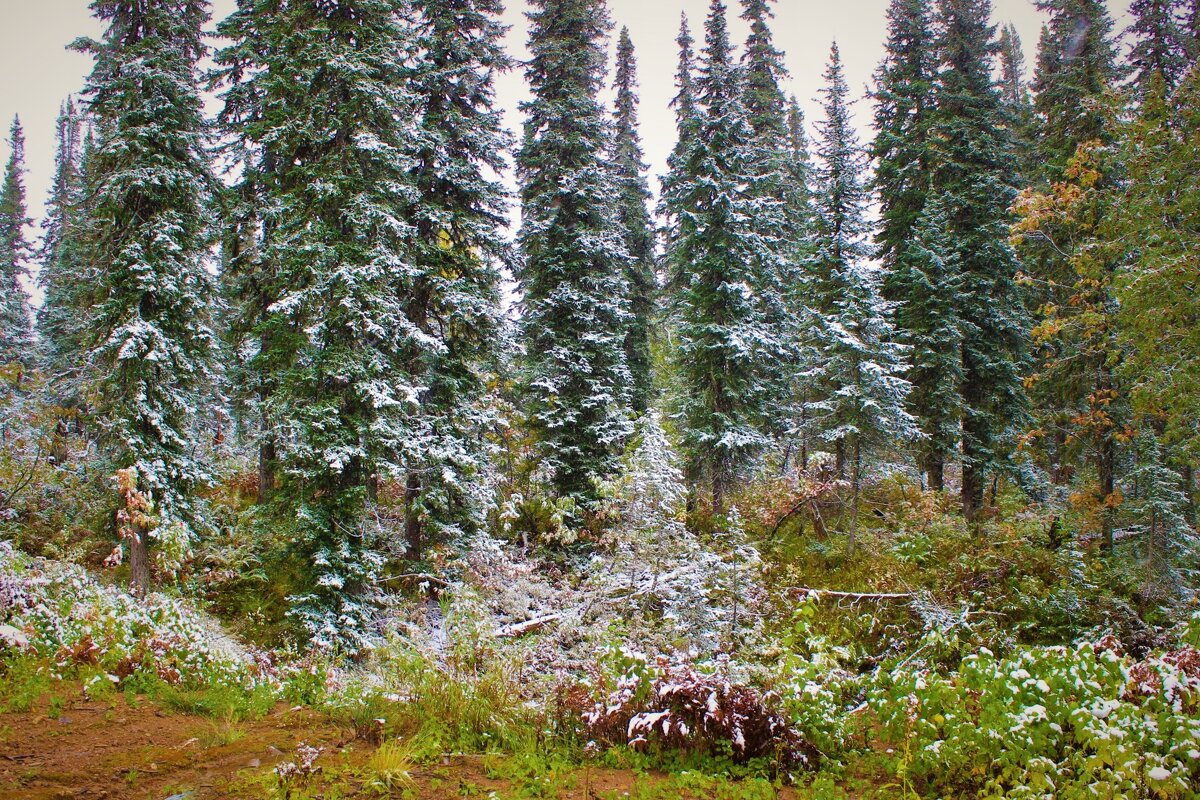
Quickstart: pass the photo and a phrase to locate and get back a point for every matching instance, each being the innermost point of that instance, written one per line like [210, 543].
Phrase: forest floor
[89, 750]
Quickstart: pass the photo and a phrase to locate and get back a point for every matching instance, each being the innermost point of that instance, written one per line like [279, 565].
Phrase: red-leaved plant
[692, 711]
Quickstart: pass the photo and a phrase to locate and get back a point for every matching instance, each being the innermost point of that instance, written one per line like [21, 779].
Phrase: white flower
[1159, 774]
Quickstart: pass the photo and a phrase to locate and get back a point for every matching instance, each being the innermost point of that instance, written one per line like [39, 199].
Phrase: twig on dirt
[804, 591]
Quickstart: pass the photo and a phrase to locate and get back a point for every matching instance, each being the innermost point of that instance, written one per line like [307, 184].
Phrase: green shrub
[1060, 722]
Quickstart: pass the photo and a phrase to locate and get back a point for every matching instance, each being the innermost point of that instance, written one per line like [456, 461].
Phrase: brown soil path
[109, 750]
[113, 750]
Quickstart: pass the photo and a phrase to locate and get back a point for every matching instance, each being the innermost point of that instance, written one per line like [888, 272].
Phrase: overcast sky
[39, 71]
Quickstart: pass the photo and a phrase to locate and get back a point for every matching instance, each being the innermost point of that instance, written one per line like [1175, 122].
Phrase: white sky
[39, 71]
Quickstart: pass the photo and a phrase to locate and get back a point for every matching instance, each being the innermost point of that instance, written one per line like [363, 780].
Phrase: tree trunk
[1189, 492]
[718, 491]
[935, 471]
[267, 454]
[266, 469]
[855, 485]
[1059, 472]
[1106, 469]
[139, 562]
[972, 490]
[412, 520]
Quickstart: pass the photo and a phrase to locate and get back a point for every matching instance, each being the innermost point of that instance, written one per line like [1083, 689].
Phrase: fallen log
[528, 626]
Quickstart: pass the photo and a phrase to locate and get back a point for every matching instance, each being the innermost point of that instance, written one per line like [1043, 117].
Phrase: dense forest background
[291, 366]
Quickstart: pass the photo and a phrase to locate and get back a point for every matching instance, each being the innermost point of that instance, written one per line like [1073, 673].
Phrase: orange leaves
[134, 519]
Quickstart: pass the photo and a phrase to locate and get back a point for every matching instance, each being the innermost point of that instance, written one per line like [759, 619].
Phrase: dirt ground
[90, 750]
[113, 750]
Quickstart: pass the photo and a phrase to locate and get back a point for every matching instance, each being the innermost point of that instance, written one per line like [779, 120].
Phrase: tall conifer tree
[57, 319]
[975, 165]
[713, 261]
[1160, 46]
[905, 155]
[859, 395]
[1076, 73]
[1076, 66]
[902, 147]
[687, 129]
[16, 337]
[931, 325]
[778, 269]
[319, 96]
[798, 183]
[572, 277]
[146, 237]
[459, 219]
[629, 166]
[1018, 102]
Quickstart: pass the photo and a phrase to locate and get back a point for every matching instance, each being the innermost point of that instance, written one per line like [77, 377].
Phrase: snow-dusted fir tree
[687, 128]
[318, 94]
[1013, 86]
[1016, 99]
[1076, 66]
[722, 336]
[903, 149]
[1159, 46]
[16, 337]
[459, 216]
[629, 168]
[797, 184]
[146, 236]
[572, 276]
[1168, 544]
[973, 175]
[800, 241]
[905, 154]
[57, 319]
[778, 268]
[931, 327]
[858, 397]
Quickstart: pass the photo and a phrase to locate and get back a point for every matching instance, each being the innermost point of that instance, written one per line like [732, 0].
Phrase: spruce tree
[859, 394]
[1076, 74]
[797, 186]
[779, 268]
[58, 317]
[687, 129]
[575, 310]
[1018, 102]
[930, 324]
[1158, 309]
[453, 300]
[628, 165]
[1076, 66]
[975, 165]
[1168, 543]
[714, 256]
[1013, 87]
[763, 70]
[16, 337]
[317, 93]
[800, 247]
[145, 237]
[905, 157]
[902, 148]
[1160, 44]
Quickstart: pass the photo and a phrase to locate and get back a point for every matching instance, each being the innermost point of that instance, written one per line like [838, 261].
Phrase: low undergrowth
[1000, 660]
